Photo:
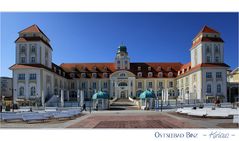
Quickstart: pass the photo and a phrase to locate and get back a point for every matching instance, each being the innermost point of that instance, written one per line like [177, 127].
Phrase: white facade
[35, 77]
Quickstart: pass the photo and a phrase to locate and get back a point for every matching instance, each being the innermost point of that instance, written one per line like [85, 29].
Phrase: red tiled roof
[207, 29]
[31, 66]
[89, 68]
[25, 39]
[207, 39]
[200, 66]
[33, 29]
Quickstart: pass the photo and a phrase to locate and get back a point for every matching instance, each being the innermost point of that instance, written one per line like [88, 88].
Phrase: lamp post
[161, 100]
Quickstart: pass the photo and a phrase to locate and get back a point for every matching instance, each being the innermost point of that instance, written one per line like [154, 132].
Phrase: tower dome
[122, 48]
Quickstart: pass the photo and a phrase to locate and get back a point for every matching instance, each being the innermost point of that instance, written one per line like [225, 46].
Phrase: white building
[36, 77]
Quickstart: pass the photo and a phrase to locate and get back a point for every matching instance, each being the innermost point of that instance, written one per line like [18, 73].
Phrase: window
[118, 62]
[21, 91]
[186, 80]
[72, 85]
[94, 75]
[171, 92]
[23, 60]
[139, 68]
[72, 75]
[32, 76]
[105, 75]
[218, 88]
[160, 84]
[160, 74]
[150, 74]
[208, 59]
[22, 49]
[21, 76]
[105, 85]
[122, 75]
[33, 91]
[122, 84]
[170, 74]
[218, 74]
[139, 74]
[208, 74]
[209, 88]
[150, 84]
[171, 84]
[83, 85]
[33, 59]
[94, 85]
[83, 75]
[149, 68]
[125, 62]
[217, 60]
[139, 84]
[33, 49]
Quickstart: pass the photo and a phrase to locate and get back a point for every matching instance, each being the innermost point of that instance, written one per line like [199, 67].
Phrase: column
[82, 97]
[68, 95]
[62, 98]
[42, 99]
[78, 95]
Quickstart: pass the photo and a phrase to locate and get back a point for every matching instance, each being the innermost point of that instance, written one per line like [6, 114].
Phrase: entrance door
[123, 94]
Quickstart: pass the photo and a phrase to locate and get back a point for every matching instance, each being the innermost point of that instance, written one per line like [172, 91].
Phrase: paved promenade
[129, 119]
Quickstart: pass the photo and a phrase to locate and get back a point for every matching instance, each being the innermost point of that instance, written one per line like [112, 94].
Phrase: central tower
[122, 60]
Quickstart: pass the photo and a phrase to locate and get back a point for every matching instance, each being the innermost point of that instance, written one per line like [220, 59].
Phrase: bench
[50, 109]
[198, 112]
[185, 110]
[11, 117]
[218, 113]
[63, 115]
[34, 117]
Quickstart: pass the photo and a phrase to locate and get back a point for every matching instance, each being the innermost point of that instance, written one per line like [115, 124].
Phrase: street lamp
[161, 99]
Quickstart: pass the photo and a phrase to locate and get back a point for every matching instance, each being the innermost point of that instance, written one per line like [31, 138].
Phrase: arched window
[209, 88]
[21, 91]
[170, 74]
[139, 74]
[150, 74]
[33, 90]
[122, 84]
[160, 74]
[219, 88]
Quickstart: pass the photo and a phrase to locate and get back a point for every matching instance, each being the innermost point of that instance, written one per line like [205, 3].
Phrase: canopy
[100, 95]
[147, 94]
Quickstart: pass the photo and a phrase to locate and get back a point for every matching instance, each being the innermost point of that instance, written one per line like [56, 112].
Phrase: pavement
[128, 119]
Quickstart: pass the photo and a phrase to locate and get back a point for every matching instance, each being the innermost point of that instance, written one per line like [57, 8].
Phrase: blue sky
[94, 37]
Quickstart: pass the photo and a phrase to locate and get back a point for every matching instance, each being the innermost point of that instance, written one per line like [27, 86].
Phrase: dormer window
[94, 68]
[72, 75]
[159, 68]
[150, 74]
[160, 74]
[169, 69]
[139, 68]
[139, 74]
[60, 72]
[105, 68]
[84, 68]
[64, 74]
[54, 69]
[149, 68]
[105, 75]
[94, 75]
[170, 74]
[83, 75]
